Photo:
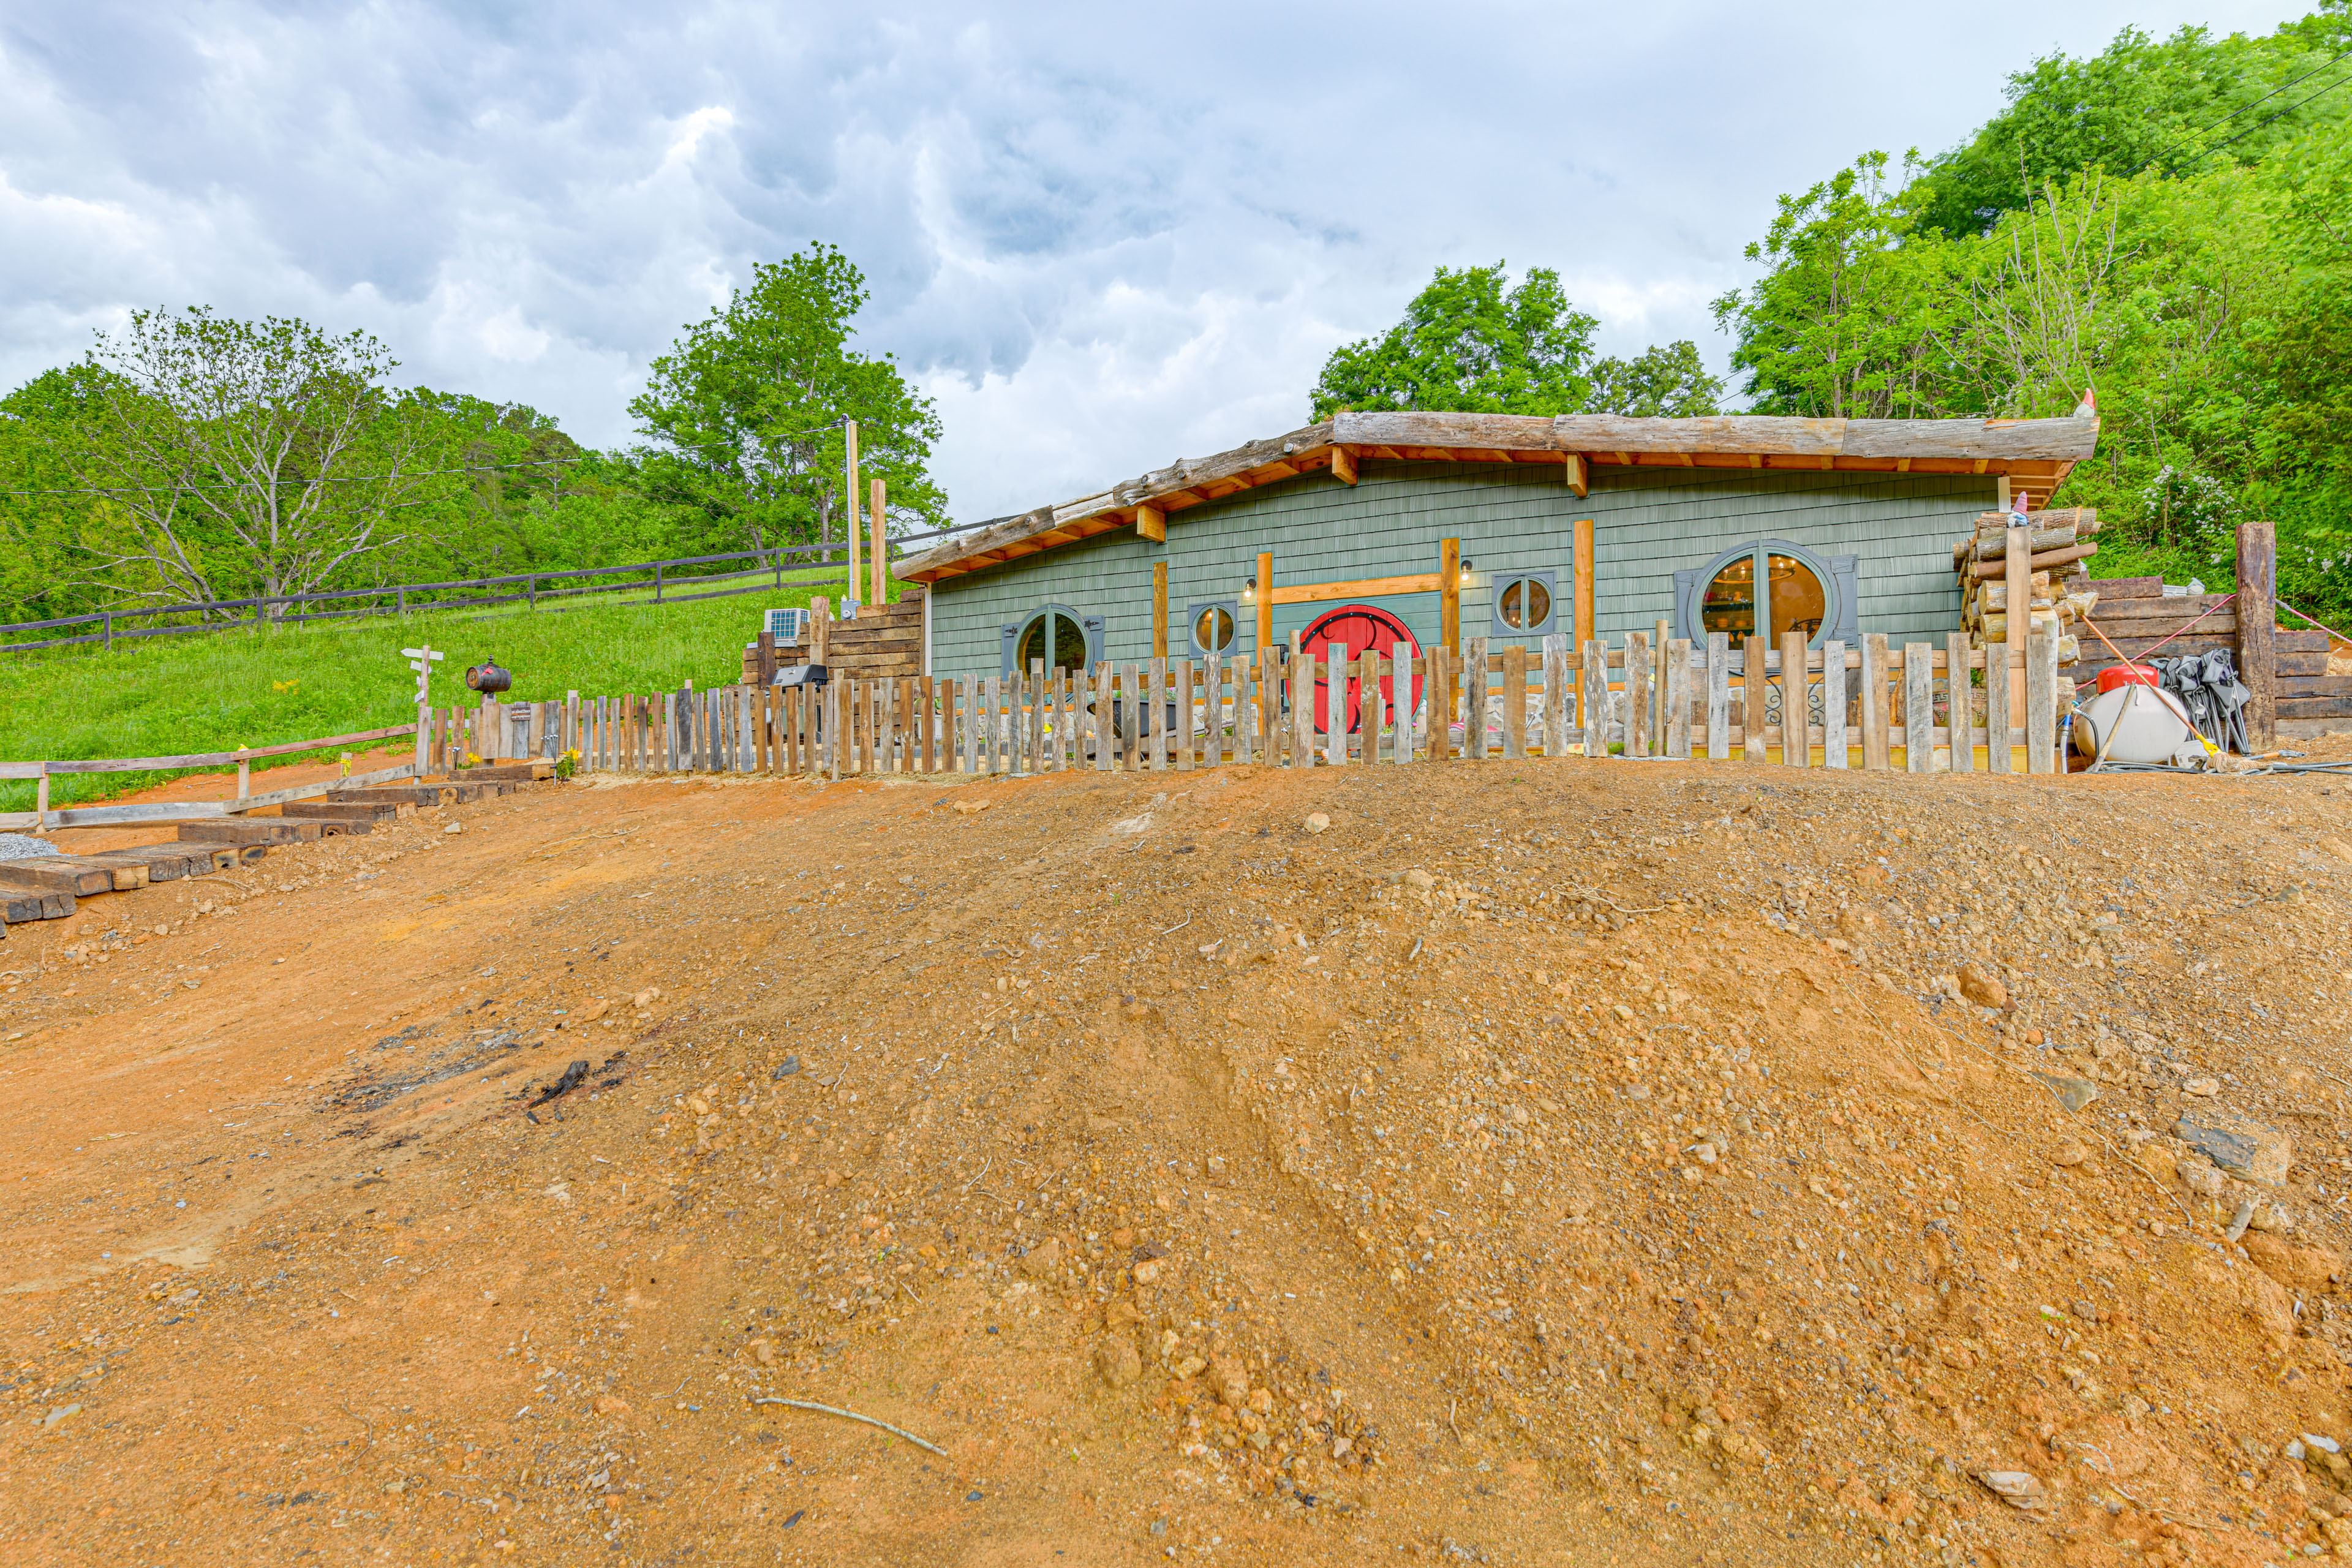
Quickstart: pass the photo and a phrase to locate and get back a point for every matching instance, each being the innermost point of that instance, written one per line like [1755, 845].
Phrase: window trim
[1233, 608]
[1497, 582]
[1836, 575]
[1009, 633]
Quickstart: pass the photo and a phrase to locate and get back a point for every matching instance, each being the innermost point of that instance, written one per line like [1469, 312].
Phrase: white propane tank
[2151, 725]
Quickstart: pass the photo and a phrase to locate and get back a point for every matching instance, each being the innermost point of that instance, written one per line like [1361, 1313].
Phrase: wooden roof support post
[1343, 465]
[1586, 704]
[1160, 609]
[1265, 599]
[1151, 524]
[1579, 480]
[1449, 594]
[2257, 630]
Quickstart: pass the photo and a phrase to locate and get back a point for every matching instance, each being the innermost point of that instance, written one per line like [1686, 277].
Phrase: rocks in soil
[2258, 1154]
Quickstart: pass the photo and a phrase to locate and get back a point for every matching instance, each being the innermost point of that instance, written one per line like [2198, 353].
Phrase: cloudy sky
[1101, 239]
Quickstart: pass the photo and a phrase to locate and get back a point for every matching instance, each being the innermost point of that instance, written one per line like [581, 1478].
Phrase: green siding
[1648, 523]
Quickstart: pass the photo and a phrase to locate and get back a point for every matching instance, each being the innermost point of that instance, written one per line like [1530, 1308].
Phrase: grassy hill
[217, 691]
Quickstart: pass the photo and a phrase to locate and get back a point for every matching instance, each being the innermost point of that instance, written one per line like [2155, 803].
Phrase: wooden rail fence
[1918, 709]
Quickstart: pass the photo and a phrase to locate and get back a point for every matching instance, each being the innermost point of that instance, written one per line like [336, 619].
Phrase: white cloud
[1101, 238]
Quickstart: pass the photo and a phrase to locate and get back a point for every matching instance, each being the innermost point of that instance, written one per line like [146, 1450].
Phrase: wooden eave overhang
[2035, 453]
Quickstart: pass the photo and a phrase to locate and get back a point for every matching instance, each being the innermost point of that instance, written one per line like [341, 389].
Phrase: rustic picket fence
[1918, 709]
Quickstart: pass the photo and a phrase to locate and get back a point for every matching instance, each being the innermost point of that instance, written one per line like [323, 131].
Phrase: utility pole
[849, 604]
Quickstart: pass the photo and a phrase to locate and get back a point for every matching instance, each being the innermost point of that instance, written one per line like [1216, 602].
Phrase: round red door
[1356, 628]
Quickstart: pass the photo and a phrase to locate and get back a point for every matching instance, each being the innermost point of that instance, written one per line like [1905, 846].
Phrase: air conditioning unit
[789, 625]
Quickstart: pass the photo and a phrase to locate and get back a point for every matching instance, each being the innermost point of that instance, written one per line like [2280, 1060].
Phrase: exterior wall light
[1467, 564]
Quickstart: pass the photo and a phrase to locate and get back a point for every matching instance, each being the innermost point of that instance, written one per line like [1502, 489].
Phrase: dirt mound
[1531, 1163]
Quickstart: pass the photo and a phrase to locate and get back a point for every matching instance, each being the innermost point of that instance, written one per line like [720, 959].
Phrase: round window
[1054, 638]
[1764, 589]
[1526, 603]
[1213, 628]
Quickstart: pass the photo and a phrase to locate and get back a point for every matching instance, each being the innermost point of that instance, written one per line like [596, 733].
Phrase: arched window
[1767, 587]
[1056, 634]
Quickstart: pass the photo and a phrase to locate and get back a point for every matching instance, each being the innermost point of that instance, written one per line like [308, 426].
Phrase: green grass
[217, 691]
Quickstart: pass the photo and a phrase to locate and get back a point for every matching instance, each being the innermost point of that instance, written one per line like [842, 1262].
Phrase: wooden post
[1593, 698]
[1515, 701]
[1265, 615]
[1637, 694]
[1103, 757]
[41, 793]
[1961, 699]
[1751, 689]
[1998, 724]
[1678, 699]
[1833, 740]
[1369, 706]
[1582, 591]
[2257, 639]
[1656, 713]
[1160, 609]
[1302, 704]
[1473, 700]
[1876, 746]
[1556, 710]
[1335, 704]
[851, 425]
[1449, 594]
[766, 665]
[1919, 708]
[1796, 719]
[820, 630]
[2017, 577]
[1718, 697]
[880, 542]
[2041, 699]
[1400, 699]
[244, 779]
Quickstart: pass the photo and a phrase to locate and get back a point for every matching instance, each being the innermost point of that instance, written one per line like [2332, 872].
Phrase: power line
[2244, 107]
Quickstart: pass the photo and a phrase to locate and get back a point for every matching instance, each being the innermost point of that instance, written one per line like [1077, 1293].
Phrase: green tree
[1854, 316]
[745, 414]
[1665, 381]
[2175, 106]
[1469, 344]
[238, 458]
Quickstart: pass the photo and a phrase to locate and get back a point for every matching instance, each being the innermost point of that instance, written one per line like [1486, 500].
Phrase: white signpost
[421, 659]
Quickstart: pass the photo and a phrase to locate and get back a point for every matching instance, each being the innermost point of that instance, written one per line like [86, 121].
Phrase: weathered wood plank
[1515, 702]
[2040, 700]
[1556, 714]
[1474, 701]
[1796, 726]
[1918, 707]
[1998, 724]
[1594, 690]
[1719, 696]
[1960, 696]
[1637, 694]
[1678, 699]
[1755, 694]
[1878, 746]
[1833, 735]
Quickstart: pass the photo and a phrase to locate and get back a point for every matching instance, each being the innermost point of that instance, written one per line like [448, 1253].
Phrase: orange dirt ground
[1542, 1162]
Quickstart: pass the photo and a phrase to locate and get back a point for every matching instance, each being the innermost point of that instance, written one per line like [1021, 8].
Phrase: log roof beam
[2035, 454]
